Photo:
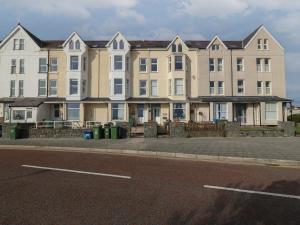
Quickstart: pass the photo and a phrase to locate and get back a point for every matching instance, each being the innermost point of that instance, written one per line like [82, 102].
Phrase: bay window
[74, 62]
[179, 87]
[118, 62]
[117, 111]
[73, 87]
[179, 111]
[73, 111]
[178, 63]
[271, 111]
[118, 86]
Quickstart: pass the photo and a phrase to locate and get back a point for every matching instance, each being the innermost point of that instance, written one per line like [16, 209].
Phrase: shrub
[295, 118]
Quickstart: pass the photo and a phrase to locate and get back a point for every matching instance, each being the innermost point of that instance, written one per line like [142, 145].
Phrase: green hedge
[295, 118]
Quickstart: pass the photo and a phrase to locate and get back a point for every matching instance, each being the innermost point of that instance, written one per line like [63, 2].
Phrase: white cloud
[129, 13]
[73, 8]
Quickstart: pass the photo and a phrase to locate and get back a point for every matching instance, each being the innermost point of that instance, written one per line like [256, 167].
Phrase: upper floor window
[169, 64]
[143, 87]
[115, 44]
[42, 87]
[118, 86]
[127, 64]
[22, 66]
[179, 88]
[19, 44]
[118, 62]
[74, 64]
[220, 87]
[174, 48]
[267, 65]
[266, 44]
[42, 65]
[211, 87]
[178, 62]
[53, 87]
[13, 69]
[263, 65]
[21, 88]
[83, 86]
[240, 87]
[259, 44]
[73, 87]
[220, 64]
[121, 44]
[215, 47]
[180, 48]
[53, 65]
[211, 65]
[154, 87]
[22, 44]
[12, 88]
[268, 87]
[240, 64]
[71, 45]
[262, 44]
[16, 44]
[143, 65]
[77, 44]
[84, 63]
[154, 65]
[259, 87]
[169, 87]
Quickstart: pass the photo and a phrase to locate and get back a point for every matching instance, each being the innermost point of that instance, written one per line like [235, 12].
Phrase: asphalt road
[152, 191]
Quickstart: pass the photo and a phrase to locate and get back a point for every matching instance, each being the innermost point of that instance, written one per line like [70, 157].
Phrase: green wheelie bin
[107, 132]
[114, 132]
[14, 133]
[96, 132]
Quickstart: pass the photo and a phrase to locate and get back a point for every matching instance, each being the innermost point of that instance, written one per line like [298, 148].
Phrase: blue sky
[162, 19]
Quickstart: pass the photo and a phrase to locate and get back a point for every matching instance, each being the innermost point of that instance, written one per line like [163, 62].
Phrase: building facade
[123, 80]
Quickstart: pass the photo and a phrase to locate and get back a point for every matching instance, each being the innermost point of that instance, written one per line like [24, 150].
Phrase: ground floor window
[271, 111]
[179, 111]
[29, 113]
[18, 114]
[117, 111]
[220, 110]
[74, 111]
[56, 111]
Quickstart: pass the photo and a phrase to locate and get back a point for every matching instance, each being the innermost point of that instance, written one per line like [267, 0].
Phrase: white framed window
[143, 65]
[22, 66]
[153, 87]
[13, 69]
[215, 47]
[71, 45]
[74, 62]
[179, 111]
[169, 87]
[240, 87]
[77, 45]
[259, 65]
[259, 44]
[21, 88]
[179, 87]
[53, 65]
[178, 62]
[16, 44]
[115, 45]
[53, 87]
[12, 88]
[267, 65]
[118, 62]
[56, 111]
[18, 114]
[43, 65]
[268, 87]
[220, 64]
[73, 111]
[121, 44]
[271, 111]
[180, 48]
[220, 111]
[83, 86]
[28, 113]
[42, 87]
[22, 44]
[84, 63]
[266, 44]
[169, 64]
[117, 111]
[212, 87]
[73, 89]
[240, 64]
[220, 87]
[154, 64]
[118, 86]
[143, 87]
[174, 48]
[259, 87]
[212, 65]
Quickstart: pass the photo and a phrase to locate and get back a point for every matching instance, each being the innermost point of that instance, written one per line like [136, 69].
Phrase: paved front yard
[264, 148]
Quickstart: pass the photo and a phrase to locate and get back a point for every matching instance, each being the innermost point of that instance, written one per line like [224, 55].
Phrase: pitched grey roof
[240, 99]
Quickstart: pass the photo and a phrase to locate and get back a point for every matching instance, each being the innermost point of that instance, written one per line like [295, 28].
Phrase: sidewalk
[257, 148]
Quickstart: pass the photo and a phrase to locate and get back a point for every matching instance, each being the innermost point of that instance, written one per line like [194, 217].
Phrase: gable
[118, 38]
[218, 41]
[177, 40]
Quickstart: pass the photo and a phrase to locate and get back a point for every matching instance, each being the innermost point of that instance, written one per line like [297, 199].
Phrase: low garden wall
[55, 133]
[150, 130]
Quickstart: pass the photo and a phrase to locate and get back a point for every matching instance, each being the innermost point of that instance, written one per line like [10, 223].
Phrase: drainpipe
[231, 72]
[253, 115]
[98, 76]
[47, 86]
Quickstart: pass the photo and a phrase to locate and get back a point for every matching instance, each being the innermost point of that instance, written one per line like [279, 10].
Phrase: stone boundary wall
[55, 133]
[150, 130]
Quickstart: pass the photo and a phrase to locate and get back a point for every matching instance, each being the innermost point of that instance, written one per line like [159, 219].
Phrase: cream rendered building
[140, 81]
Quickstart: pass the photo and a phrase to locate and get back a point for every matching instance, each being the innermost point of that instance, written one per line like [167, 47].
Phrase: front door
[140, 113]
[240, 113]
[155, 113]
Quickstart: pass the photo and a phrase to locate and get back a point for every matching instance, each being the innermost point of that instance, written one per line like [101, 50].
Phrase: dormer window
[173, 48]
[71, 45]
[180, 48]
[115, 45]
[215, 47]
[77, 44]
[121, 44]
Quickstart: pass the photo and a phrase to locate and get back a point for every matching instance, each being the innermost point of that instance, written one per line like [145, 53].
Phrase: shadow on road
[231, 208]
[25, 175]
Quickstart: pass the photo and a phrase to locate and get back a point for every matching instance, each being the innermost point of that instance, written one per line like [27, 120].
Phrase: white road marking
[77, 171]
[252, 192]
